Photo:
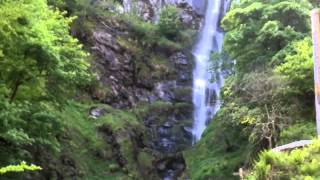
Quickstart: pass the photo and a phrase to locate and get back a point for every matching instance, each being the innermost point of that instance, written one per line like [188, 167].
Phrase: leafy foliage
[297, 67]
[257, 30]
[41, 65]
[29, 124]
[268, 95]
[298, 164]
[168, 34]
[169, 24]
[37, 53]
[19, 168]
[266, 100]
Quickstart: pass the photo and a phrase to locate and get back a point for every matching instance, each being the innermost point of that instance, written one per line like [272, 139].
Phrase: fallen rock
[96, 112]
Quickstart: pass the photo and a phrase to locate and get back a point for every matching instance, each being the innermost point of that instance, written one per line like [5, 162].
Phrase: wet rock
[168, 124]
[178, 166]
[183, 94]
[106, 39]
[183, 68]
[163, 132]
[169, 175]
[164, 90]
[184, 77]
[199, 6]
[161, 166]
[171, 166]
[187, 131]
[110, 137]
[179, 59]
[165, 145]
[96, 112]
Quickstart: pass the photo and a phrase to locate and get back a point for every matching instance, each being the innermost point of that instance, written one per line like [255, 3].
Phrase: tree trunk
[15, 90]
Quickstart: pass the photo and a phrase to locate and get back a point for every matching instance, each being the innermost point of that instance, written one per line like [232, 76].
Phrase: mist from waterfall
[205, 93]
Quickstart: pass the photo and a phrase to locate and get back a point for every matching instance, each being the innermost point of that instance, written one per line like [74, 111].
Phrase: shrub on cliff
[169, 24]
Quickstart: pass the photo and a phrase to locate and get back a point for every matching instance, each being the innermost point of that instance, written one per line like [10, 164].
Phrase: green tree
[270, 90]
[37, 53]
[297, 67]
[257, 30]
[40, 65]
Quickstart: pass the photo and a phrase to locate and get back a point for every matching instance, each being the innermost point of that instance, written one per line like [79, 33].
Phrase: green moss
[148, 35]
[145, 160]
[183, 94]
[218, 154]
[169, 44]
[119, 120]
[144, 108]
[161, 69]
[84, 142]
[113, 167]
[91, 157]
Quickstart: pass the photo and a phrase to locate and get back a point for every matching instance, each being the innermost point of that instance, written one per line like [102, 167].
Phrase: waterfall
[205, 93]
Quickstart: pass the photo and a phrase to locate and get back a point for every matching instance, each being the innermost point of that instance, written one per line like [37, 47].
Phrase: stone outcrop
[163, 87]
[150, 9]
[129, 82]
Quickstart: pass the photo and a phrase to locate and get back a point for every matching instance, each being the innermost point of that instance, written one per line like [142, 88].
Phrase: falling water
[203, 90]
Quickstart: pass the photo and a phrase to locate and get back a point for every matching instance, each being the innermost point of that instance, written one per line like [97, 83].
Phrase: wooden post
[315, 20]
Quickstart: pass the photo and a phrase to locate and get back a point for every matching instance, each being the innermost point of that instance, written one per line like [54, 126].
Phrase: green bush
[297, 164]
[24, 124]
[297, 67]
[304, 130]
[169, 24]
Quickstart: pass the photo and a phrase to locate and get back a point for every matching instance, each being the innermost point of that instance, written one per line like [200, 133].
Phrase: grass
[213, 158]
[84, 142]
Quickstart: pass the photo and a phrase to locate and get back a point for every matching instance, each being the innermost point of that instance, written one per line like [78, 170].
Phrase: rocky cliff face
[150, 9]
[118, 64]
[155, 82]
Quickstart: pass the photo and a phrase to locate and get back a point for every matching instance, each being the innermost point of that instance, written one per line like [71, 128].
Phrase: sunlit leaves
[23, 166]
[256, 30]
[37, 50]
[297, 164]
[298, 66]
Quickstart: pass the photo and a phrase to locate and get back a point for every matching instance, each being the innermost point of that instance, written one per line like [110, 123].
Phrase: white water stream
[205, 93]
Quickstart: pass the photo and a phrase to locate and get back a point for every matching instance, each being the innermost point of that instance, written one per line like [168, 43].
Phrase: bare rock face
[199, 6]
[127, 82]
[150, 10]
[126, 89]
[189, 16]
[113, 63]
